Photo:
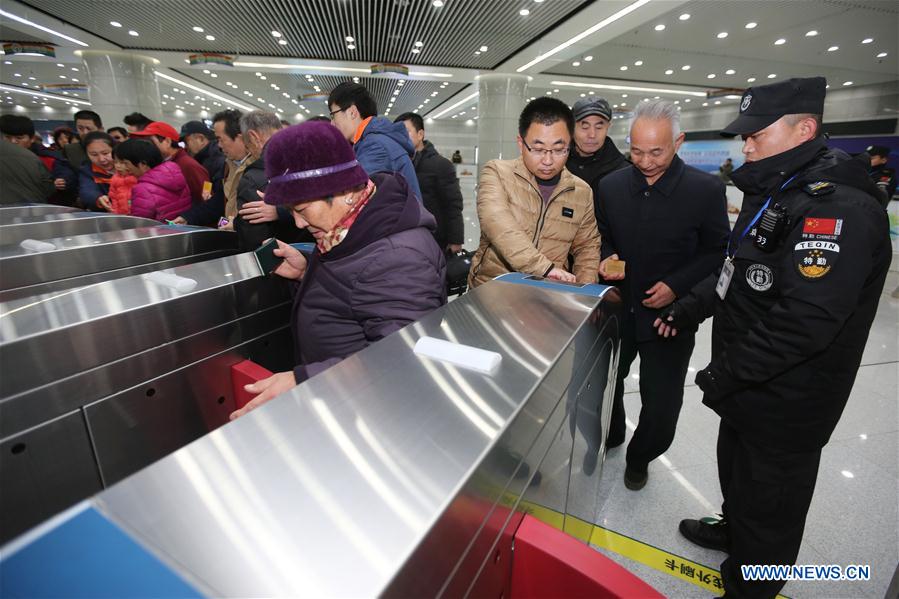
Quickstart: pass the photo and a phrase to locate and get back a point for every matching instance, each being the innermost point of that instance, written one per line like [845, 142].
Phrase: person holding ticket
[375, 267]
[664, 226]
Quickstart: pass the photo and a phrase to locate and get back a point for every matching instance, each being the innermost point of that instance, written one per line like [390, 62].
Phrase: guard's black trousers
[767, 492]
[663, 366]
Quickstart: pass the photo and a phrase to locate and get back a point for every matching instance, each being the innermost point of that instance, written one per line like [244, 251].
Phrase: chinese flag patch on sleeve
[824, 226]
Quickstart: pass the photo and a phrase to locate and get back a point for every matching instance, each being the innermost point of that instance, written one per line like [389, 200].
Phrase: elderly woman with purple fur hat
[376, 266]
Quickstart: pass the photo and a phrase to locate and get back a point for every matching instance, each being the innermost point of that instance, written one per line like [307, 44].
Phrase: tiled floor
[854, 516]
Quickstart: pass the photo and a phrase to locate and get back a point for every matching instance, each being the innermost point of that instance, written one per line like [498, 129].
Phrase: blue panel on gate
[88, 556]
[591, 289]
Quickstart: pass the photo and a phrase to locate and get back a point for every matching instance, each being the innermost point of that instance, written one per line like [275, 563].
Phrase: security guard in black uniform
[793, 304]
[883, 176]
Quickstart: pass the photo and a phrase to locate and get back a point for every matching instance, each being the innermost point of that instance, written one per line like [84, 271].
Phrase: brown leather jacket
[520, 234]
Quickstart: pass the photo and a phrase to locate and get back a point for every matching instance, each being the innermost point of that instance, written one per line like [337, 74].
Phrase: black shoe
[710, 533]
[635, 479]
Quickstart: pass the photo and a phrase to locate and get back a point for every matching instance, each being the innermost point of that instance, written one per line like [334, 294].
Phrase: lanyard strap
[755, 219]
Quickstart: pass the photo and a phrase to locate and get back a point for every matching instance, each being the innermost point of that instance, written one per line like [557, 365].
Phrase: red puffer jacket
[160, 193]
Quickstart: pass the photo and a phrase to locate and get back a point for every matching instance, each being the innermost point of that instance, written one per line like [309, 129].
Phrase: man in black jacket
[668, 222]
[256, 220]
[793, 305]
[593, 154]
[199, 141]
[439, 185]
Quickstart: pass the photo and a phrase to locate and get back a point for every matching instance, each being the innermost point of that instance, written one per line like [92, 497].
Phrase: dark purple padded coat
[387, 272]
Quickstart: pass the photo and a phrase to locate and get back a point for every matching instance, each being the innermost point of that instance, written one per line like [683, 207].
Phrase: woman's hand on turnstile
[294, 265]
[104, 203]
[267, 389]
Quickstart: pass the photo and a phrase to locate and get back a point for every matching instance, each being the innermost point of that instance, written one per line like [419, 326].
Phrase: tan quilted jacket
[519, 234]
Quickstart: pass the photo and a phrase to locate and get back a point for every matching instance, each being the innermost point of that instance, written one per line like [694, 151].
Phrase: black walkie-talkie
[771, 227]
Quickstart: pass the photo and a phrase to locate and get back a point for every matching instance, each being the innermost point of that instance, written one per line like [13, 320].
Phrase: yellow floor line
[664, 561]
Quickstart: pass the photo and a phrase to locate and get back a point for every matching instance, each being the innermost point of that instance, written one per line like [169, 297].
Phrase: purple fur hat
[309, 161]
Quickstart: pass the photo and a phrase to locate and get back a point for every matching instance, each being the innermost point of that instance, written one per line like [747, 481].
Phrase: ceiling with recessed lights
[403, 31]
[290, 53]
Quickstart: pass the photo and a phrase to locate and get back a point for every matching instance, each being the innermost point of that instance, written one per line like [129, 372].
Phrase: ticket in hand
[615, 267]
[207, 188]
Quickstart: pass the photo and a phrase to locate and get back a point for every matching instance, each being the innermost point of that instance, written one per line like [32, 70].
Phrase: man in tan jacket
[534, 214]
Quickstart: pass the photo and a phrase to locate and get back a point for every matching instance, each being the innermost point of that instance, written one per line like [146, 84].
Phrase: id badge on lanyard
[727, 273]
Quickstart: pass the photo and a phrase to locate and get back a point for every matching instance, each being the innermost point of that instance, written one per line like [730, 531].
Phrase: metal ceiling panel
[382, 30]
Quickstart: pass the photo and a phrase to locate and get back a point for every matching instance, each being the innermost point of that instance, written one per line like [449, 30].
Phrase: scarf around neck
[333, 237]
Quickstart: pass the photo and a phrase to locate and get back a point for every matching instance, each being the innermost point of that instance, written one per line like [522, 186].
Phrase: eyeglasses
[333, 112]
[555, 152]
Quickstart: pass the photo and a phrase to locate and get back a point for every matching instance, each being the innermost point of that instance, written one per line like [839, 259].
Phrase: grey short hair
[659, 110]
[261, 121]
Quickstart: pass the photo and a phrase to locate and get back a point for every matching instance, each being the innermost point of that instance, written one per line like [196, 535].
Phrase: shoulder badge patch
[819, 188]
[814, 259]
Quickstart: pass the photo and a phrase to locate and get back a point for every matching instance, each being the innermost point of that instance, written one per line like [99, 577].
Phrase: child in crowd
[120, 188]
[161, 191]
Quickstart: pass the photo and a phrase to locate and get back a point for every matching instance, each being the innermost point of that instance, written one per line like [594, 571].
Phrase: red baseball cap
[158, 128]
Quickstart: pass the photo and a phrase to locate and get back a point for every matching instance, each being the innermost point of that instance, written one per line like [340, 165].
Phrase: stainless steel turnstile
[390, 473]
[100, 381]
[66, 224]
[69, 262]
[10, 211]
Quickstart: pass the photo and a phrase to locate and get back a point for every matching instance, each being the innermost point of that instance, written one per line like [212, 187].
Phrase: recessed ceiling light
[710, 76]
[198, 29]
[684, 16]
[780, 42]
[75, 69]
[555, 90]
[811, 33]
[211, 38]
[483, 48]
[751, 25]
[750, 80]
[349, 47]
[833, 48]
[867, 40]
[717, 102]
[772, 75]
[415, 50]
[588, 58]
[205, 71]
[350, 39]
[576, 64]
[882, 55]
[437, 3]
[688, 100]
[660, 27]
[282, 42]
[638, 63]
[115, 23]
[263, 77]
[730, 72]
[622, 95]
[419, 44]
[847, 83]
[524, 12]
[722, 35]
[477, 52]
[623, 68]
[669, 72]
[133, 33]
[686, 67]
[276, 34]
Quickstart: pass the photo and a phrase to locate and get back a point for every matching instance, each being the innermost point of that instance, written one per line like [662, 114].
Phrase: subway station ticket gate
[409, 472]
[66, 224]
[55, 264]
[11, 211]
[100, 381]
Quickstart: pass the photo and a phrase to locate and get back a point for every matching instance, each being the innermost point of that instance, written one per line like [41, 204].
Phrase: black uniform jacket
[673, 231]
[440, 194]
[788, 338]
